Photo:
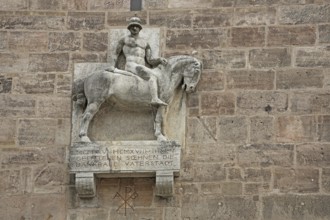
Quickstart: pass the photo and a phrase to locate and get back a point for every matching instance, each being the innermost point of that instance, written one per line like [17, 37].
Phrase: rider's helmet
[134, 21]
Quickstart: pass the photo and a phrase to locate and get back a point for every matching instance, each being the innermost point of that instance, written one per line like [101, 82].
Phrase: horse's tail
[78, 94]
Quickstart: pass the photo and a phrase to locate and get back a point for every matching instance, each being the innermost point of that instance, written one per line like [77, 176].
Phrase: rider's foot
[158, 102]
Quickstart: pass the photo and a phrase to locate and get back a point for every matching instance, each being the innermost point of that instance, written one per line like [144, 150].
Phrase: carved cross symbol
[130, 194]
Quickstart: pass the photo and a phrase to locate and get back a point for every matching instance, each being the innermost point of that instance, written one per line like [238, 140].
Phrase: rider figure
[137, 52]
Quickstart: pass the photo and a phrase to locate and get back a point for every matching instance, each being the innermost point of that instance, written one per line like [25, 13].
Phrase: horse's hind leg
[158, 124]
[88, 115]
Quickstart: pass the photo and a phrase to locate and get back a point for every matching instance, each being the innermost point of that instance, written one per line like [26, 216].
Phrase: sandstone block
[248, 37]
[3, 40]
[10, 62]
[234, 174]
[256, 188]
[299, 79]
[34, 84]
[269, 58]
[85, 57]
[64, 41]
[323, 128]
[54, 107]
[223, 3]
[95, 41]
[262, 102]
[103, 5]
[79, 5]
[304, 14]
[17, 106]
[231, 188]
[58, 62]
[171, 19]
[207, 172]
[51, 205]
[14, 5]
[5, 84]
[212, 18]
[326, 179]
[155, 4]
[301, 180]
[232, 59]
[257, 175]
[15, 207]
[295, 128]
[313, 57]
[32, 20]
[201, 130]
[63, 84]
[9, 181]
[28, 41]
[211, 80]
[7, 131]
[255, 3]
[324, 33]
[310, 103]
[86, 20]
[20, 157]
[198, 38]
[50, 179]
[248, 16]
[313, 155]
[262, 129]
[121, 18]
[191, 3]
[138, 213]
[172, 213]
[212, 153]
[45, 4]
[217, 103]
[250, 79]
[280, 36]
[265, 155]
[233, 129]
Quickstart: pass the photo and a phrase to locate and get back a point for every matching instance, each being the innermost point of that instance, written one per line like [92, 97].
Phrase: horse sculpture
[128, 90]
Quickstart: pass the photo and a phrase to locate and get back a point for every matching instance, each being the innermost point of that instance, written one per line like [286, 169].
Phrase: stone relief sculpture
[143, 82]
[137, 86]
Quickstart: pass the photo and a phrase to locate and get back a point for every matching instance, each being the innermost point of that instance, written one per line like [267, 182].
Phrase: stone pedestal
[111, 159]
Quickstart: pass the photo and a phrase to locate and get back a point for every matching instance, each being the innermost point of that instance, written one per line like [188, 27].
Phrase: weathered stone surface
[313, 57]
[324, 33]
[85, 57]
[45, 4]
[213, 59]
[250, 79]
[198, 38]
[171, 19]
[233, 129]
[250, 102]
[262, 129]
[325, 179]
[254, 16]
[79, 5]
[48, 206]
[53, 107]
[63, 84]
[234, 174]
[304, 14]
[37, 132]
[300, 180]
[121, 18]
[95, 41]
[191, 3]
[295, 128]
[20, 157]
[49, 62]
[64, 41]
[172, 213]
[32, 20]
[211, 188]
[103, 5]
[256, 188]
[19, 106]
[212, 18]
[248, 37]
[268, 58]
[155, 4]
[280, 36]
[213, 206]
[3, 40]
[231, 188]
[265, 155]
[204, 172]
[34, 84]
[9, 181]
[5, 84]
[50, 179]
[310, 102]
[201, 130]
[256, 2]
[323, 128]
[86, 20]
[7, 131]
[217, 103]
[211, 81]
[313, 155]
[14, 5]
[299, 79]
[295, 207]
[15, 207]
[11, 62]
[223, 3]
[138, 213]
[257, 175]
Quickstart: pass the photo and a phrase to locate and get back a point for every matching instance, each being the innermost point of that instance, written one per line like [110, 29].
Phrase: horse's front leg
[158, 124]
[88, 115]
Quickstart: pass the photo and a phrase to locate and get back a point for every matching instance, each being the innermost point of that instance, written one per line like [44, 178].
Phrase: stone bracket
[85, 185]
[164, 183]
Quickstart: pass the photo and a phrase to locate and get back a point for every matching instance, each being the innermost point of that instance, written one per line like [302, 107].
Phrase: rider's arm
[119, 48]
[153, 61]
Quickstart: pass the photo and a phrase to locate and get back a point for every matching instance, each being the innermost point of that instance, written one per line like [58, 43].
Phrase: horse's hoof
[158, 102]
[161, 138]
[85, 139]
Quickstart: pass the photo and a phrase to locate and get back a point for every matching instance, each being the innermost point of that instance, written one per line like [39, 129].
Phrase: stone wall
[257, 139]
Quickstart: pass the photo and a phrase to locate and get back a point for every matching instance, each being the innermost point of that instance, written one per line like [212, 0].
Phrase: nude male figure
[137, 52]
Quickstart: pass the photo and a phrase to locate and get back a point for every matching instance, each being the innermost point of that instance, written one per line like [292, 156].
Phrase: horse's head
[190, 68]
